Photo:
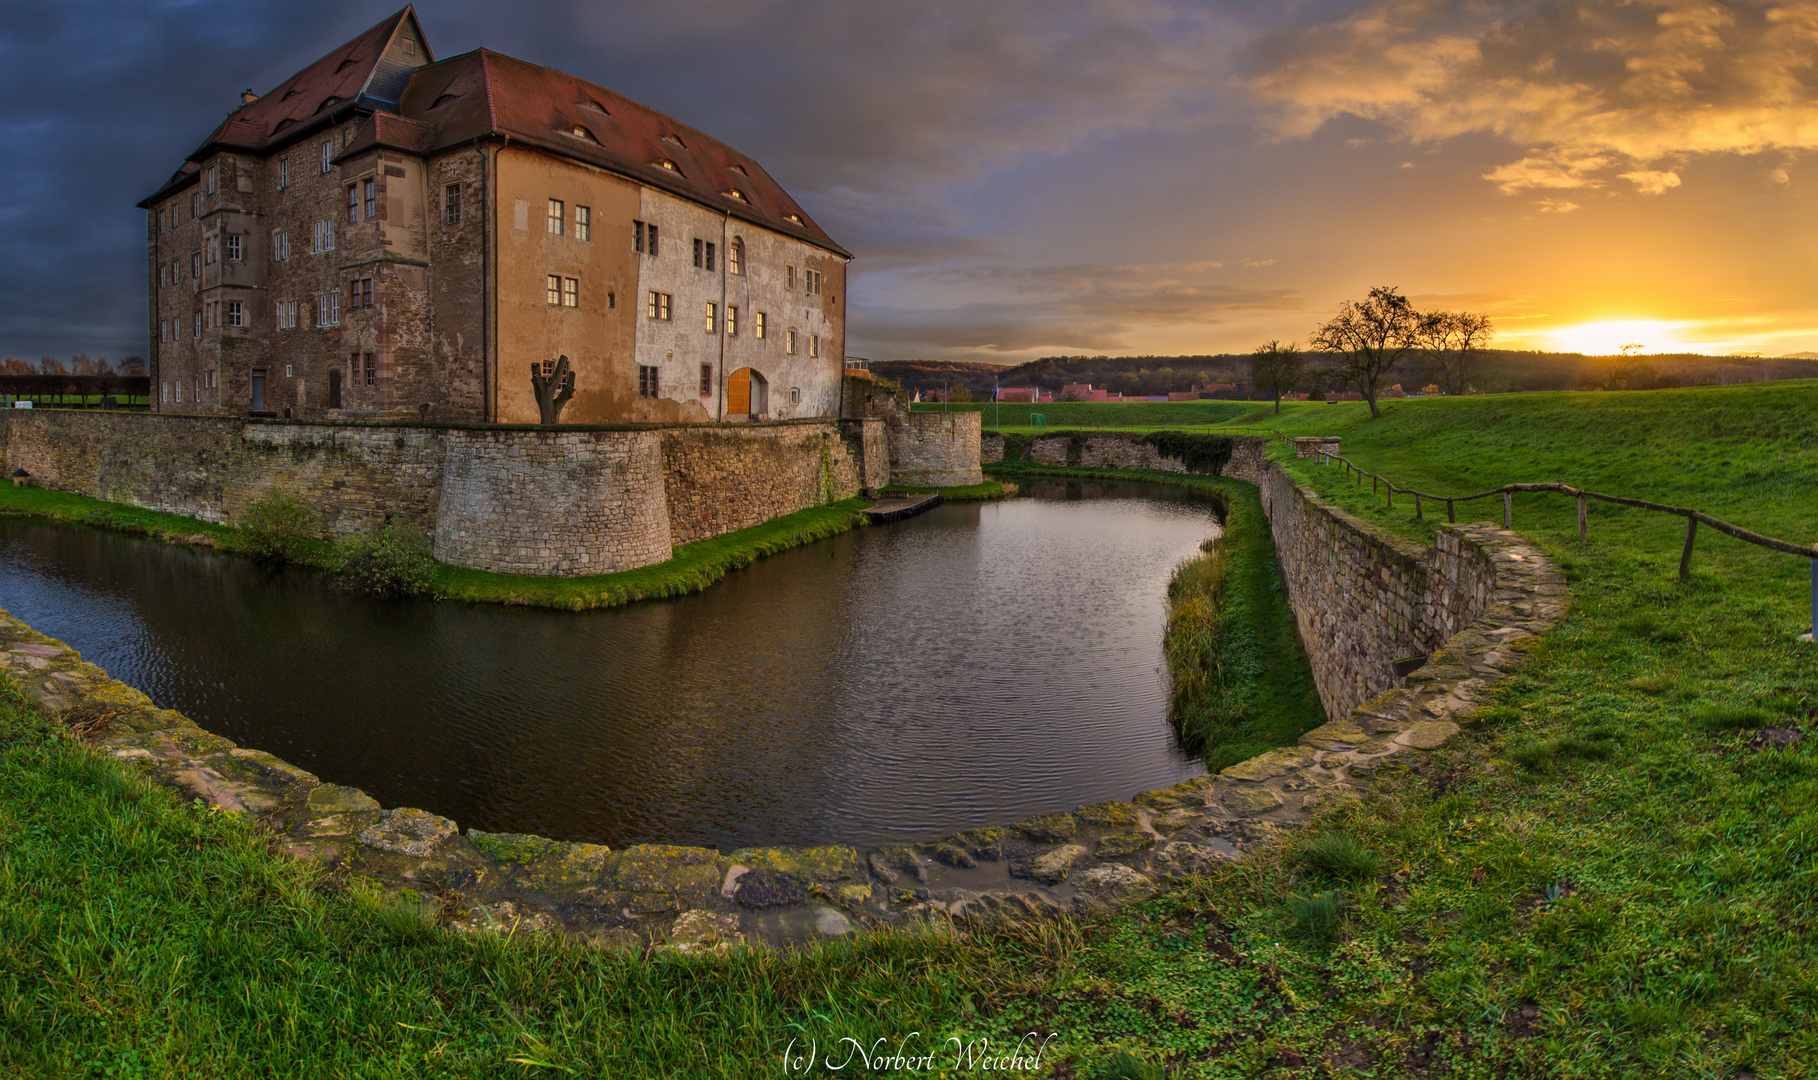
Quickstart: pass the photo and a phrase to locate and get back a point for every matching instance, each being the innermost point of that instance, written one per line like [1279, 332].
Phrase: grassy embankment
[1604, 876]
[692, 568]
[984, 492]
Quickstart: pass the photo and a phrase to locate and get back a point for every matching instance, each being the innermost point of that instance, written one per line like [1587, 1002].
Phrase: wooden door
[334, 388]
[738, 391]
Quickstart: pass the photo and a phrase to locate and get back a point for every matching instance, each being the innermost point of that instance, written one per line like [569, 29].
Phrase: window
[732, 321]
[703, 254]
[208, 379]
[328, 309]
[369, 186]
[176, 271]
[713, 316]
[163, 330]
[554, 286]
[195, 264]
[697, 251]
[762, 329]
[583, 223]
[236, 313]
[353, 204]
[557, 215]
[789, 342]
[372, 371]
[328, 156]
[451, 204]
[571, 292]
[287, 314]
[211, 250]
[283, 173]
[280, 245]
[659, 305]
[324, 236]
[177, 385]
[195, 205]
[612, 300]
[197, 395]
[735, 257]
[211, 191]
[355, 381]
[814, 345]
[647, 381]
[795, 395]
[163, 276]
[811, 282]
[788, 277]
[287, 372]
[233, 248]
[706, 380]
[163, 220]
[198, 326]
[359, 293]
[164, 391]
[644, 238]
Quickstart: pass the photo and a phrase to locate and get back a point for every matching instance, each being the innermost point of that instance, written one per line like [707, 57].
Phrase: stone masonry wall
[721, 479]
[579, 500]
[1361, 597]
[939, 449]
[990, 448]
[554, 503]
[1101, 452]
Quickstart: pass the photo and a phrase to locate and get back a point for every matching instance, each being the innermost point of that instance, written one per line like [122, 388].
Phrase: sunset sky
[1024, 178]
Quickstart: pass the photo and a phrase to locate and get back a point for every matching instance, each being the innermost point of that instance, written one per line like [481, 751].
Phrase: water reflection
[974, 665]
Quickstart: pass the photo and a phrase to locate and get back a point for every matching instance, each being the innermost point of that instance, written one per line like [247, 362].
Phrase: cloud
[1556, 206]
[1060, 307]
[1584, 87]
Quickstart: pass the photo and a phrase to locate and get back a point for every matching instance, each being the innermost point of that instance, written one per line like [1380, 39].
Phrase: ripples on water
[974, 665]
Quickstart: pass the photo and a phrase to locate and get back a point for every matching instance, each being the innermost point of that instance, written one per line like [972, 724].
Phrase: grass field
[1097, 414]
[1613, 873]
[692, 568]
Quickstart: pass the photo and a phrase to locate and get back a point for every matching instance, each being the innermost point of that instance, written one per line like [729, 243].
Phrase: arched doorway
[334, 387]
[747, 393]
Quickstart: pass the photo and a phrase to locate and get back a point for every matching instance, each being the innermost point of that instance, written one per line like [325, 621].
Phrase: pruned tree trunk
[553, 390]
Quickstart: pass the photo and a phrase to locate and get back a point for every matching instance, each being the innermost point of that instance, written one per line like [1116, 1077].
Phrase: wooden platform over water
[898, 507]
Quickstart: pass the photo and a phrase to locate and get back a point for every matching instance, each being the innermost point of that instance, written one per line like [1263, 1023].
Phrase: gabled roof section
[483, 93]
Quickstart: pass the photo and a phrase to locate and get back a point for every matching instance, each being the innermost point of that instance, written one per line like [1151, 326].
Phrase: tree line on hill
[1448, 354]
[79, 364]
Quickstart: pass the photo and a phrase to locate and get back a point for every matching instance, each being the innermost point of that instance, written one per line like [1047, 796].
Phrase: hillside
[1500, 371]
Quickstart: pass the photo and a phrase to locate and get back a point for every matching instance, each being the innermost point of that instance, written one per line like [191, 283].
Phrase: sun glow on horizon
[1611, 336]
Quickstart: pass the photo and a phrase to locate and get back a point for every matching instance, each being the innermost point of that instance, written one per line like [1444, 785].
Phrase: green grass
[1104, 414]
[990, 489]
[692, 568]
[1649, 908]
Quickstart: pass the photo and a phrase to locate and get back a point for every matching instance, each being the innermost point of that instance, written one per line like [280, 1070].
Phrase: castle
[385, 235]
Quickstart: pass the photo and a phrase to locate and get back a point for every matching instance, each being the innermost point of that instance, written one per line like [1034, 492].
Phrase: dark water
[973, 665]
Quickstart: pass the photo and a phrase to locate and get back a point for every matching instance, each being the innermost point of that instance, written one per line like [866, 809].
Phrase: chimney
[247, 97]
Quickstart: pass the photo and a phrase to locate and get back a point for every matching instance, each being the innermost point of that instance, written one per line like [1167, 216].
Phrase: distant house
[1027, 395]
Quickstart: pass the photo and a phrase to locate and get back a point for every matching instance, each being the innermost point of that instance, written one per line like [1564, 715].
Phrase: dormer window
[345, 64]
[282, 124]
[673, 139]
[291, 93]
[328, 103]
[579, 132]
[596, 107]
[670, 165]
[797, 218]
[740, 169]
[735, 193]
[443, 100]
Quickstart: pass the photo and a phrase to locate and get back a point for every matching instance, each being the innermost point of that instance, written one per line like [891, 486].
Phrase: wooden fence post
[1582, 519]
[1417, 506]
[1508, 510]
[1391, 490]
[1685, 557]
[1450, 517]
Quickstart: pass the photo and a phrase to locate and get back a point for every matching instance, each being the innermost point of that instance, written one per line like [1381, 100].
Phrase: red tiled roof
[483, 94]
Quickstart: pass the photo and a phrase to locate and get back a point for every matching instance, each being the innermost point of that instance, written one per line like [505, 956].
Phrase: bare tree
[50, 365]
[1371, 336]
[133, 365]
[552, 390]
[1275, 369]
[1455, 340]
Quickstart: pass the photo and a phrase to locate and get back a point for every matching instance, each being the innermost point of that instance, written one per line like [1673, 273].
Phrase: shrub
[389, 561]
[1316, 916]
[275, 527]
[1337, 855]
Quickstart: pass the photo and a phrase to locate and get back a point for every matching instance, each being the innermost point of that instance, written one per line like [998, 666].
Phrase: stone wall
[1362, 598]
[523, 500]
[555, 502]
[990, 448]
[723, 478]
[938, 449]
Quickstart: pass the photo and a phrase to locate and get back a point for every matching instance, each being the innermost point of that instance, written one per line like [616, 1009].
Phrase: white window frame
[328, 154]
[583, 223]
[761, 328]
[557, 218]
[283, 173]
[789, 341]
[713, 317]
[236, 314]
[660, 306]
[571, 292]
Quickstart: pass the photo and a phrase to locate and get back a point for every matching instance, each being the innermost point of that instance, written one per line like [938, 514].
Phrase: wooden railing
[1693, 518]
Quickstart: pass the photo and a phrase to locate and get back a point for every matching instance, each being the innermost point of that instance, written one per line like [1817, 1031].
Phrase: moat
[975, 665]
